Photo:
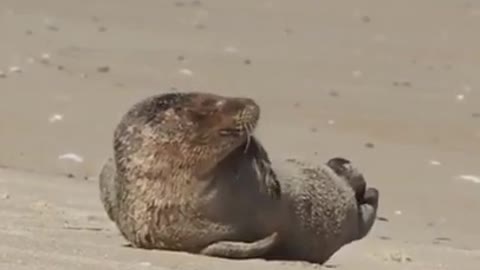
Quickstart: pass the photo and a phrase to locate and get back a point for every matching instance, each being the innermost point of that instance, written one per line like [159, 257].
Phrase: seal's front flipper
[269, 180]
[242, 250]
[108, 191]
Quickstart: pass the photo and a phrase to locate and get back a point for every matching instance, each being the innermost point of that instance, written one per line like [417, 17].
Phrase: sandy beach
[391, 85]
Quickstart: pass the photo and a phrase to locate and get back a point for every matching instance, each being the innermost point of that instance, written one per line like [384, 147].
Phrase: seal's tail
[242, 250]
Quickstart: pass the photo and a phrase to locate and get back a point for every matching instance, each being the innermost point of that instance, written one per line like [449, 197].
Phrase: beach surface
[391, 85]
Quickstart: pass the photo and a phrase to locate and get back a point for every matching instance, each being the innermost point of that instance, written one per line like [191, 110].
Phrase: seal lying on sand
[187, 175]
[176, 181]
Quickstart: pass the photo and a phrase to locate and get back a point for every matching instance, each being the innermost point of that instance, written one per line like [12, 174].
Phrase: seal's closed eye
[230, 131]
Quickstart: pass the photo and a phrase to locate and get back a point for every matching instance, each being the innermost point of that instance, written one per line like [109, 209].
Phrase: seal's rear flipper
[343, 167]
[368, 212]
[242, 250]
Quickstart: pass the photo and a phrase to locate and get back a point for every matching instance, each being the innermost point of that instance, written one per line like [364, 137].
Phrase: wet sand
[393, 86]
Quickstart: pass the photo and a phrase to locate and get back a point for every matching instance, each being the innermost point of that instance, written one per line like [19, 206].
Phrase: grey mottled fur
[320, 211]
[307, 213]
[174, 183]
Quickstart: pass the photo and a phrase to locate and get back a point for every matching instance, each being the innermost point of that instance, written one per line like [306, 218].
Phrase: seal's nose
[250, 104]
[238, 105]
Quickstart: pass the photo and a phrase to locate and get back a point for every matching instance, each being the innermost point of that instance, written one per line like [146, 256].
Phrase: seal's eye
[230, 132]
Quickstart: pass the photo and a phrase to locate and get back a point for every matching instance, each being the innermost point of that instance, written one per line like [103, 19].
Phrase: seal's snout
[251, 111]
[251, 106]
[238, 107]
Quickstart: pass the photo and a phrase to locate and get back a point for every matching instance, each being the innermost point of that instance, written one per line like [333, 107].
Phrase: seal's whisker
[248, 131]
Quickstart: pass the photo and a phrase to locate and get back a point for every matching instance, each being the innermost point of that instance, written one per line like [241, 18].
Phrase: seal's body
[187, 175]
[175, 183]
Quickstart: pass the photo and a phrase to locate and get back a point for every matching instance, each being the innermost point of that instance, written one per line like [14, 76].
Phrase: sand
[392, 85]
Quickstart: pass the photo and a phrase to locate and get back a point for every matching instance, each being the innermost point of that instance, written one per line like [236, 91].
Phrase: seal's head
[186, 130]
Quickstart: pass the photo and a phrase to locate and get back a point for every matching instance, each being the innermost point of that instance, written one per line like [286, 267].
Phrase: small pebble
[369, 145]
[45, 58]
[181, 58]
[55, 118]
[199, 26]
[71, 156]
[469, 178]
[247, 62]
[50, 25]
[3, 74]
[5, 196]
[400, 257]
[402, 84]
[435, 163]
[102, 29]
[186, 72]
[28, 32]
[384, 219]
[53, 28]
[146, 264]
[331, 122]
[398, 212]
[14, 69]
[366, 19]
[476, 115]
[196, 3]
[443, 239]
[103, 69]
[288, 31]
[333, 93]
[460, 97]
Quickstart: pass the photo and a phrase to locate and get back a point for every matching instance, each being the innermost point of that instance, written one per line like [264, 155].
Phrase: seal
[323, 208]
[177, 180]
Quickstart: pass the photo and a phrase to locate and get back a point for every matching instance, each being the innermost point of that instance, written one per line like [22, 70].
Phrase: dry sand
[392, 85]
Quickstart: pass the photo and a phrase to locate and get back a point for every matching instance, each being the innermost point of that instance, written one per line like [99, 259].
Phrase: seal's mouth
[245, 115]
[243, 129]
[238, 131]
